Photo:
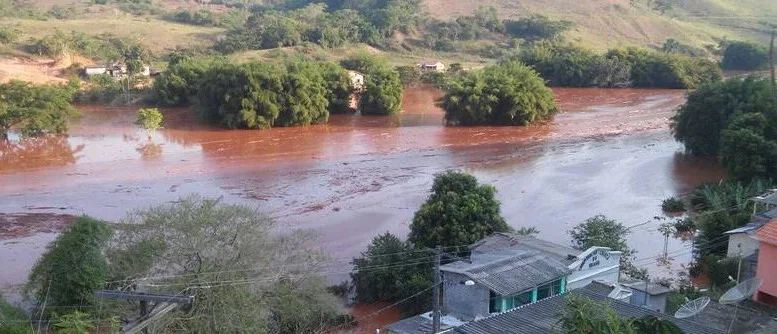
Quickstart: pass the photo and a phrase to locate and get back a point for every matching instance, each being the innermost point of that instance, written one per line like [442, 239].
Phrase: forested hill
[607, 23]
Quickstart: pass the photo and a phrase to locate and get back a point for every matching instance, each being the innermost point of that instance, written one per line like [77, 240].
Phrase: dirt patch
[19, 225]
[32, 70]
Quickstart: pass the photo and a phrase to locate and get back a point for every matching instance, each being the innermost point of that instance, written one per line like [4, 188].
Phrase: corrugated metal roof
[510, 272]
[768, 232]
[542, 317]
[508, 241]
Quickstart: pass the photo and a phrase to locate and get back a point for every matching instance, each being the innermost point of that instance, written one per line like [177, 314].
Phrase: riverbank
[609, 153]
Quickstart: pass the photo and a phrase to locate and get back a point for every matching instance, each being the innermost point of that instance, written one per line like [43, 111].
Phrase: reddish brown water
[610, 152]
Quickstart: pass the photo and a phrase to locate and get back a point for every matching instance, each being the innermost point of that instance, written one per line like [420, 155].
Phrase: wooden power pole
[436, 291]
[163, 304]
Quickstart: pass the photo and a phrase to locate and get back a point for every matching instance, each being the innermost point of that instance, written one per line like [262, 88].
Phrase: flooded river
[609, 152]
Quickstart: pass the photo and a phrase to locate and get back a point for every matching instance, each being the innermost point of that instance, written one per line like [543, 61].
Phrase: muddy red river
[610, 152]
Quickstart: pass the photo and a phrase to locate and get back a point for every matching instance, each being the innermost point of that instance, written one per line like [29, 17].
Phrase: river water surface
[610, 152]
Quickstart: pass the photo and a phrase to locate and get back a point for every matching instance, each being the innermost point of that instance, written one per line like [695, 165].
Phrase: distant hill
[607, 23]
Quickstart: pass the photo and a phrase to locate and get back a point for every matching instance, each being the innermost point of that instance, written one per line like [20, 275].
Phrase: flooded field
[609, 152]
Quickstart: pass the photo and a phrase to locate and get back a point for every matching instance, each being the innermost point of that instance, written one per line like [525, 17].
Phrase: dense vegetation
[383, 85]
[259, 95]
[505, 94]
[35, 109]
[105, 47]
[736, 121]
[567, 65]
[744, 56]
[604, 232]
[223, 255]
[72, 268]
[582, 315]
[459, 212]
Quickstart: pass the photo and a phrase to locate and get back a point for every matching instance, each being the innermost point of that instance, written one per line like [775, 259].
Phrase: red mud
[609, 152]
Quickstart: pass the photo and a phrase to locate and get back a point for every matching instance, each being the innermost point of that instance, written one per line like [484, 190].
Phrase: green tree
[650, 324]
[459, 212]
[339, 87]
[72, 268]
[506, 94]
[604, 232]
[35, 109]
[745, 151]
[699, 122]
[150, 119]
[383, 92]
[177, 86]
[376, 277]
[304, 96]
[245, 274]
[744, 56]
[581, 315]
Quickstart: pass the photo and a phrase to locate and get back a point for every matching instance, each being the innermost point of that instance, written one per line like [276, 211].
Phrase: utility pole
[771, 63]
[436, 291]
[163, 304]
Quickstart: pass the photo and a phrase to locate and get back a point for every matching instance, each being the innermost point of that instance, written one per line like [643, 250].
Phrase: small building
[507, 271]
[543, 317]
[742, 241]
[648, 294]
[95, 70]
[431, 66]
[357, 84]
[767, 263]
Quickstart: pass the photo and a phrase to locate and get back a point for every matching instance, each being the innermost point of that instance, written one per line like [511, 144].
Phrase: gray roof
[652, 288]
[758, 220]
[542, 317]
[507, 241]
[414, 325]
[770, 197]
[510, 272]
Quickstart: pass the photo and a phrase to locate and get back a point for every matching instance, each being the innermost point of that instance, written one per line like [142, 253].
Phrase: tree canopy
[459, 212]
[72, 268]
[232, 259]
[509, 93]
[744, 56]
[35, 109]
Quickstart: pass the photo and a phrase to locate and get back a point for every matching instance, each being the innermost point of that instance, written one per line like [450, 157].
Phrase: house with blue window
[505, 271]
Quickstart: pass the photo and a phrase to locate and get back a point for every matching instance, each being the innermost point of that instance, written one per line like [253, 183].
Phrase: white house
[431, 66]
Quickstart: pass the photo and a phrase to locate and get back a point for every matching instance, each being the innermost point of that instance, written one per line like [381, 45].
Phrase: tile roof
[510, 272]
[768, 233]
[542, 317]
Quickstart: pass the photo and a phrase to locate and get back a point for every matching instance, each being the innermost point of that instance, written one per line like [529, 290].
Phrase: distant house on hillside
[116, 70]
[431, 66]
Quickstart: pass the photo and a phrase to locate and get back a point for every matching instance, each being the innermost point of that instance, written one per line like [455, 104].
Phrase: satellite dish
[741, 291]
[692, 308]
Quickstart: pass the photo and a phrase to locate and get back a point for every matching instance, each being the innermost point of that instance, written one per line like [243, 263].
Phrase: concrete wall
[596, 263]
[655, 303]
[462, 301]
[767, 270]
[741, 245]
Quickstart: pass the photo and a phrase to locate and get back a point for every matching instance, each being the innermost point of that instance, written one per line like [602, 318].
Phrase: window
[543, 292]
[522, 299]
[495, 303]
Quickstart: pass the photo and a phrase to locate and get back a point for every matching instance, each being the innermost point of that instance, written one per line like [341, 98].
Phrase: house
[357, 83]
[505, 271]
[767, 263]
[647, 294]
[116, 70]
[95, 70]
[431, 66]
[542, 316]
[741, 241]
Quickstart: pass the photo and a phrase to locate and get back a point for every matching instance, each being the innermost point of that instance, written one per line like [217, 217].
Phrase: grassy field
[602, 24]
[157, 34]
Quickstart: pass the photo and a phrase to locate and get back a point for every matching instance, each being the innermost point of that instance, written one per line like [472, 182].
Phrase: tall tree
[35, 109]
[459, 212]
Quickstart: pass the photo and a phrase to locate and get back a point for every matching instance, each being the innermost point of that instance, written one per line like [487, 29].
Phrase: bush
[13, 320]
[8, 35]
[150, 119]
[101, 88]
[73, 266]
[509, 93]
[673, 204]
[684, 225]
[744, 56]
[536, 27]
[655, 69]
[571, 66]
[74, 323]
[383, 87]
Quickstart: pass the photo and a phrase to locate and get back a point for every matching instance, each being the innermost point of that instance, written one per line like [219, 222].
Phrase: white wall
[594, 264]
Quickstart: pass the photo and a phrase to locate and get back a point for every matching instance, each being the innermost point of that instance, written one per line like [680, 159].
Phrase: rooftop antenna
[739, 293]
[692, 308]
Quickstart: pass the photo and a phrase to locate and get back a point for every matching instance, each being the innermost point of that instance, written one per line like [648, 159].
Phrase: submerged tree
[150, 119]
[244, 273]
[459, 212]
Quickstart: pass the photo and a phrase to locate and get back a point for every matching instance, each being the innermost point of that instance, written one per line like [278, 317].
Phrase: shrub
[673, 204]
[101, 88]
[13, 320]
[73, 267]
[8, 35]
[684, 225]
[150, 119]
[571, 66]
[35, 109]
[509, 93]
[74, 323]
[655, 69]
[744, 56]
